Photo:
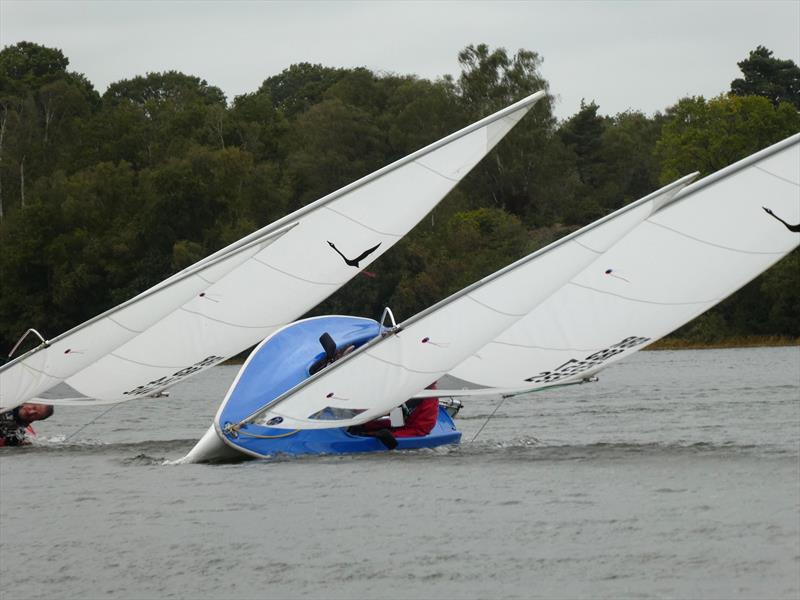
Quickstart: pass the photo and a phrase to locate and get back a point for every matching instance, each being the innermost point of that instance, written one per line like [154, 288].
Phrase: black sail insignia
[353, 262]
[794, 228]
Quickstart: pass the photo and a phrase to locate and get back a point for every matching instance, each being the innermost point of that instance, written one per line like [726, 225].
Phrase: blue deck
[282, 361]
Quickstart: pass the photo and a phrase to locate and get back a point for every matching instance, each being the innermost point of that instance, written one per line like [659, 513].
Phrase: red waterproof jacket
[419, 422]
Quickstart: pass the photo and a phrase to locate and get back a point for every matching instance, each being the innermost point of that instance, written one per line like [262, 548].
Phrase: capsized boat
[556, 317]
[282, 401]
[283, 360]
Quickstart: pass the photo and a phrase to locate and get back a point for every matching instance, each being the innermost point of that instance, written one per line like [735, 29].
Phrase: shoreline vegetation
[105, 195]
[746, 341]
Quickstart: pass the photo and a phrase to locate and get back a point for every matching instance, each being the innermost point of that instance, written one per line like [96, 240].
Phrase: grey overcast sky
[624, 55]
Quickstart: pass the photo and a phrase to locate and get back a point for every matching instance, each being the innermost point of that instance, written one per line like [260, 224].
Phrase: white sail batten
[57, 359]
[680, 262]
[335, 237]
[383, 373]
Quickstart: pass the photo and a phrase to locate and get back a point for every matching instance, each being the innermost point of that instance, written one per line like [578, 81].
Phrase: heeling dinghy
[560, 315]
[285, 359]
[282, 403]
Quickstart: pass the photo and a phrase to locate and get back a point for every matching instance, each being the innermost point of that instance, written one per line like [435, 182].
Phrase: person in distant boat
[15, 425]
[419, 421]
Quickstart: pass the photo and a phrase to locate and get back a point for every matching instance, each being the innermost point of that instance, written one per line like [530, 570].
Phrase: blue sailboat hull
[338, 441]
[282, 361]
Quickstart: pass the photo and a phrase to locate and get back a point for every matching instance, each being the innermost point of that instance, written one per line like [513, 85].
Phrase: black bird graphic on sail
[353, 262]
[795, 228]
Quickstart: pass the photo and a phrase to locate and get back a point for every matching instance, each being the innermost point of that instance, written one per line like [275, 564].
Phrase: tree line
[102, 196]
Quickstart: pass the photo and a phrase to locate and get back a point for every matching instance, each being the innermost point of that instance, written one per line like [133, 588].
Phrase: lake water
[677, 475]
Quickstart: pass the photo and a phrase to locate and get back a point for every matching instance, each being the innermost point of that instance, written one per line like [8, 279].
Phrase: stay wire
[82, 427]
[499, 404]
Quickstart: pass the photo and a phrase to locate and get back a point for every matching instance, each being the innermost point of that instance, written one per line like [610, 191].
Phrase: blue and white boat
[282, 361]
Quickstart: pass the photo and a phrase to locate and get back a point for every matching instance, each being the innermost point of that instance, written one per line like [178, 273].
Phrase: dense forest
[102, 196]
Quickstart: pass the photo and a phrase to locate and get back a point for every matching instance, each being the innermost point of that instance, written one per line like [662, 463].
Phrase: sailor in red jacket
[419, 422]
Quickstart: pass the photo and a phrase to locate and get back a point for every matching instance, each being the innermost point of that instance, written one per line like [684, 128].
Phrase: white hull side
[210, 448]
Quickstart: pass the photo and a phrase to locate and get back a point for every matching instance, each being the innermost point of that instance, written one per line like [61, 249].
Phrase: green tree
[530, 174]
[68, 255]
[299, 87]
[491, 79]
[146, 120]
[360, 88]
[418, 112]
[632, 167]
[781, 288]
[614, 158]
[705, 136]
[773, 78]
[27, 66]
[190, 201]
[583, 135]
[257, 126]
[332, 144]
[42, 108]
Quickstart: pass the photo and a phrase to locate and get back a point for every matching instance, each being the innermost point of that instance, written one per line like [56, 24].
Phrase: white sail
[333, 239]
[383, 373]
[55, 360]
[683, 260]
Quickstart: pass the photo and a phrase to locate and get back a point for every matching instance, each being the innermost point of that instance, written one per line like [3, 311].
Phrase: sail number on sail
[574, 366]
[162, 382]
